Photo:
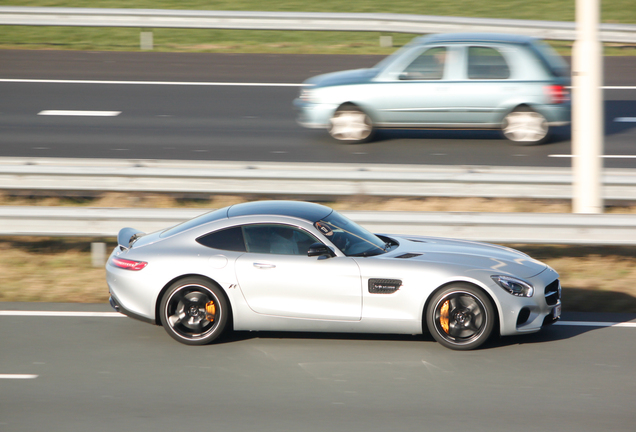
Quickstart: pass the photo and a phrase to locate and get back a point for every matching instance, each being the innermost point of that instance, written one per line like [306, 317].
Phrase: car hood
[499, 259]
[357, 76]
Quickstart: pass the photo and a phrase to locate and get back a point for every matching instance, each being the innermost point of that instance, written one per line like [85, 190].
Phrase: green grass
[192, 40]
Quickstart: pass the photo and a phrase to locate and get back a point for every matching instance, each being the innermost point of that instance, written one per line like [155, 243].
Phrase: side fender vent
[384, 286]
[408, 255]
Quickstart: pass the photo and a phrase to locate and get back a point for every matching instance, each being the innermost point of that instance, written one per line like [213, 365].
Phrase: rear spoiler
[127, 237]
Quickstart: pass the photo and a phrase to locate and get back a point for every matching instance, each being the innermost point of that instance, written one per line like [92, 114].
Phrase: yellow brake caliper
[210, 308]
[443, 316]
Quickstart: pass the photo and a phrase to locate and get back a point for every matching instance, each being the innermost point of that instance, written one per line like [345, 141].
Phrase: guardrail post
[145, 40]
[587, 114]
[98, 254]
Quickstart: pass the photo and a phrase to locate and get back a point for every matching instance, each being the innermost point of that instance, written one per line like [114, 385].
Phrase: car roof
[303, 210]
[475, 37]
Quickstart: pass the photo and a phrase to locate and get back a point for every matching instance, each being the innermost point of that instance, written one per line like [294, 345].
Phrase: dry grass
[59, 270]
[50, 271]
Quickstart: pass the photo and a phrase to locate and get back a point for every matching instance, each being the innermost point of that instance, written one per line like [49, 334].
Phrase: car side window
[230, 239]
[277, 239]
[427, 66]
[486, 63]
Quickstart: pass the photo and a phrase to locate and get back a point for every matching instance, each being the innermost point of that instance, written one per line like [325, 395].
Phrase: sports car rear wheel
[460, 317]
[350, 124]
[194, 311]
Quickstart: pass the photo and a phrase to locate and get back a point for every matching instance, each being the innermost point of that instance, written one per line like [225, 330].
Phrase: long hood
[499, 259]
[357, 76]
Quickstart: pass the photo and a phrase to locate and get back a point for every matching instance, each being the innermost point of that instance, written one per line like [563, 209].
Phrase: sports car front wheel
[194, 311]
[460, 317]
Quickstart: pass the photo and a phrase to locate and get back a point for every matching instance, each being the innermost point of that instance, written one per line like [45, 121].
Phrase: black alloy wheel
[460, 317]
[194, 311]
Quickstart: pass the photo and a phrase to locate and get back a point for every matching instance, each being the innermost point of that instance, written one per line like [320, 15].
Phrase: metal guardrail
[247, 20]
[537, 228]
[303, 180]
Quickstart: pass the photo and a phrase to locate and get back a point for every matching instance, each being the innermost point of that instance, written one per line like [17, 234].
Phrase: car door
[415, 92]
[481, 96]
[277, 277]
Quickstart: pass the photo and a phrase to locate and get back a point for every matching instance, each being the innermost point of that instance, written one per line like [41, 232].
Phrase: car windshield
[349, 237]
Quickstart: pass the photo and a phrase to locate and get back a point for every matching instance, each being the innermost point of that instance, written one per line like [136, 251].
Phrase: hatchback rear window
[552, 61]
[486, 63]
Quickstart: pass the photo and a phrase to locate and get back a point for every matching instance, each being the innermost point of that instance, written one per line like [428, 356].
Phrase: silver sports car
[298, 266]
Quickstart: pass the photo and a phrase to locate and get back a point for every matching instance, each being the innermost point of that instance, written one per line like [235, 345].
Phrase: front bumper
[313, 115]
[529, 315]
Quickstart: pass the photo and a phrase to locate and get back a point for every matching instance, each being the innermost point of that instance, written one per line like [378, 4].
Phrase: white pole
[587, 109]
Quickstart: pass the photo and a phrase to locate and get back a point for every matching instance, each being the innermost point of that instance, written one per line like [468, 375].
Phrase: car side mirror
[319, 249]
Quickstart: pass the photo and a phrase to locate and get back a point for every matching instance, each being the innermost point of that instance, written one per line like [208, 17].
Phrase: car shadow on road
[237, 336]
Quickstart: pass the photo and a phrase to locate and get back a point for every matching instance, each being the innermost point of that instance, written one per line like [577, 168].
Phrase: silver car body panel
[301, 293]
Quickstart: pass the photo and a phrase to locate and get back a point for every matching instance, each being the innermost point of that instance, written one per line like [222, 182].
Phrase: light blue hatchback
[516, 84]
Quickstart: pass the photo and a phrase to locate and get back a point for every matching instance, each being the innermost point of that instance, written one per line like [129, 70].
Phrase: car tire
[460, 316]
[349, 124]
[524, 126]
[194, 311]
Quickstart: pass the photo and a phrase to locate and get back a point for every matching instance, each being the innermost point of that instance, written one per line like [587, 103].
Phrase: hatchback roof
[299, 209]
[475, 37]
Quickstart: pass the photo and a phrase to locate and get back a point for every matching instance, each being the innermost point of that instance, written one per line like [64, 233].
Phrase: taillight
[128, 264]
[556, 94]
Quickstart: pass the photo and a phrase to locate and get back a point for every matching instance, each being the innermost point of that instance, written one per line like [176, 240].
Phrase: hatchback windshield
[349, 237]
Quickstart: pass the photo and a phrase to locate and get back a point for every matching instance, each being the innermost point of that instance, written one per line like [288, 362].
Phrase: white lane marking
[17, 376]
[176, 83]
[625, 119]
[596, 324]
[60, 314]
[79, 113]
[603, 156]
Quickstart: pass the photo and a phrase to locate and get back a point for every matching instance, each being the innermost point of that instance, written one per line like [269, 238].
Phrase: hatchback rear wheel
[194, 311]
[524, 126]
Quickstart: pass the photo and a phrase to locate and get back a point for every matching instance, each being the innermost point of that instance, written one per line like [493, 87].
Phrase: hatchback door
[480, 96]
[415, 92]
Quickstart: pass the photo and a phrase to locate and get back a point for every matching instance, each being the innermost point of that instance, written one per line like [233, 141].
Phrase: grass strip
[308, 42]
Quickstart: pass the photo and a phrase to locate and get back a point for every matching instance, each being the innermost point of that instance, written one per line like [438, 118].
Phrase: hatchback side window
[230, 239]
[277, 239]
[486, 63]
[427, 66]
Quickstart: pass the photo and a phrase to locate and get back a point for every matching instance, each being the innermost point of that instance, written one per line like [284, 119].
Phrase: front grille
[553, 293]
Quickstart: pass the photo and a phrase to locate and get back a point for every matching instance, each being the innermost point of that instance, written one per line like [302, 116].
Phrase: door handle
[264, 265]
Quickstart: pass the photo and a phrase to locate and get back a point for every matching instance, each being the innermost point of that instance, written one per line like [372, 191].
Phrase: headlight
[514, 286]
[306, 95]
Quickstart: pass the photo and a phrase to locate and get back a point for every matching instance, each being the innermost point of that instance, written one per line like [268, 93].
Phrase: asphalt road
[96, 374]
[252, 123]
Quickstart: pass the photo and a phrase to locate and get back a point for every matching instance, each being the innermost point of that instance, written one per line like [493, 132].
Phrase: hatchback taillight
[128, 264]
[556, 94]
